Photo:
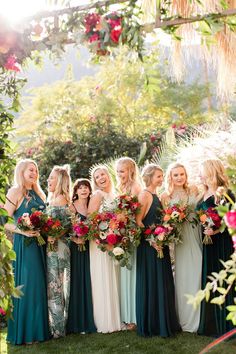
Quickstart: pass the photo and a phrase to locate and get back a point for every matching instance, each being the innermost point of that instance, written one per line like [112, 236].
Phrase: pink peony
[11, 64]
[159, 230]
[230, 219]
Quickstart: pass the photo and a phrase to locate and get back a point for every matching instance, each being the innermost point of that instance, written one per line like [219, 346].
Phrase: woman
[80, 317]
[104, 271]
[155, 297]
[58, 259]
[213, 318]
[188, 254]
[30, 312]
[128, 183]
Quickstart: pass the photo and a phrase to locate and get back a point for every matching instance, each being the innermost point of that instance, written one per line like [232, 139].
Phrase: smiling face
[122, 172]
[52, 181]
[101, 179]
[157, 178]
[178, 176]
[83, 191]
[30, 174]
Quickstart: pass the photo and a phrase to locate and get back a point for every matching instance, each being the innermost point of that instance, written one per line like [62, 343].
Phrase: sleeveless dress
[188, 271]
[105, 279]
[213, 317]
[155, 294]
[30, 312]
[80, 315]
[58, 267]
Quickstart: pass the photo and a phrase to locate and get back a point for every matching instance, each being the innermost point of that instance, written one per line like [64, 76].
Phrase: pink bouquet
[160, 236]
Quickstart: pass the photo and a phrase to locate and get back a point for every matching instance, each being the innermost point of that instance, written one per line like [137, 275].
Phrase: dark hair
[81, 182]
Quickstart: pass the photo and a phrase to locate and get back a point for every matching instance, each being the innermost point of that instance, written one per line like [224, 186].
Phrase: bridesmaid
[155, 294]
[30, 312]
[188, 254]
[128, 183]
[80, 317]
[58, 261]
[104, 271]
[213, 318]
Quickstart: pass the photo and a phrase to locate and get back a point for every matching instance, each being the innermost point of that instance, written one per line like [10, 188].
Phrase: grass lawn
[122, 342]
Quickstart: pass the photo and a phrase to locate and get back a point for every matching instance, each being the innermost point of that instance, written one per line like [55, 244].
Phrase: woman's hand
[30, 233]
[51, 240]
[157, 248]
[209, 232]
[78, 240]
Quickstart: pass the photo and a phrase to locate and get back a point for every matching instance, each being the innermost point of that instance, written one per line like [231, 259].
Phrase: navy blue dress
[213, 317]
[80, 316]
[155, 294]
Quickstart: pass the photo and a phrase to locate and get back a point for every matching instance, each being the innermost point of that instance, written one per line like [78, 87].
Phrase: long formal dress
[58, 267]
[80, 316]
[128, 291]
[30, 312]
[105, 279]
[155, 293]
[188, 270]
[213, 317]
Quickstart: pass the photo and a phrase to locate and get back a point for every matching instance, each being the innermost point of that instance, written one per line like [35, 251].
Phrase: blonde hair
[105, 169]
[215, 174]
[148, 172]
[63, 186]
[19, 180]
[169, 185]
[133, 174]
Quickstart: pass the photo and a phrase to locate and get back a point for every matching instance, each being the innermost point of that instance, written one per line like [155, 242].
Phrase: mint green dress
[30, 312]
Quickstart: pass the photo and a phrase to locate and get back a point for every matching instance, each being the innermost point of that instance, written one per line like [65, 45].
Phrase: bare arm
[95, 202]
[165, 199]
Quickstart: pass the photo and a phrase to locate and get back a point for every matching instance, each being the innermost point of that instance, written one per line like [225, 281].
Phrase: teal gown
[213, 317]
[30, 312]
[155, 294]
[80, 315]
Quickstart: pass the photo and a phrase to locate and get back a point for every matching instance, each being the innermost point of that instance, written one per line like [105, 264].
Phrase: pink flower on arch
[11, 64]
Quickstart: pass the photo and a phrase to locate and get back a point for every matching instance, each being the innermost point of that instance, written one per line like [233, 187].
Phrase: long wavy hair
[133, 173]
[215, 174]
[19, 179]
[148, 172]
[78, 183]
[93, 182]
[63, 186]
[169, 185]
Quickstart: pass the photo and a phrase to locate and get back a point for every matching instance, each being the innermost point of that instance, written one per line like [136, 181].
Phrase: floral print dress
[58, 280]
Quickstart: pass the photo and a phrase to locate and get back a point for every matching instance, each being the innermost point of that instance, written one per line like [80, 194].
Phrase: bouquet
[115, 232]
[176, 215]
[210, 221]
[81, 231]
[34, 221]
[160, 235]
[58, 224]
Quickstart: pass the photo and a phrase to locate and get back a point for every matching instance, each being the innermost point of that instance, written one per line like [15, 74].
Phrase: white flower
[175, 214]
[118, 251]
[103, 225]
[103, 235]
[161, 236]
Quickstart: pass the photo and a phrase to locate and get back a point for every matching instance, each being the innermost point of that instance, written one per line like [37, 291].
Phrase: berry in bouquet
[210, 221]
[160, 236]
[34, 221]
[57, 226]
[81, 232]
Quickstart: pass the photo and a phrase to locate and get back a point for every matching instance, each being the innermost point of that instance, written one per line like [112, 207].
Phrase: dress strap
[10, 201]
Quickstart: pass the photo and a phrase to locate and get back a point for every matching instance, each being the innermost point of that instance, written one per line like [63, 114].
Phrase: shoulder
[14, 194]
[60, 200]
[97, 195]
[144, 196]
[136, 189]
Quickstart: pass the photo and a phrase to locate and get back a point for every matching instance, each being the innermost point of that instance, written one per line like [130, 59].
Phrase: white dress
[188, 271]
[105, 279]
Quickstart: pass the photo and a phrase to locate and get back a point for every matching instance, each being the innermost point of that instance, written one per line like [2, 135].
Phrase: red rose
[111, 239]
[115, 35]
[148, 231]
[95, 37]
